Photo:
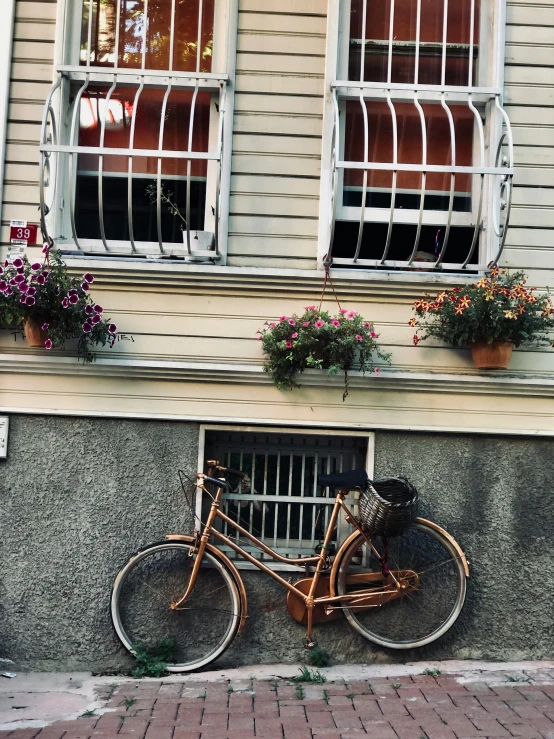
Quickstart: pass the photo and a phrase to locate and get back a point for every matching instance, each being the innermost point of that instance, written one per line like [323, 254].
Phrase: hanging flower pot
[318, 340]
[34, 333]
[491, 317]
[491, 356]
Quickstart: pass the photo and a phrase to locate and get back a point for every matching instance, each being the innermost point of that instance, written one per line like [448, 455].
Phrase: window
[420, 148]
[284, 506]
[134, 161]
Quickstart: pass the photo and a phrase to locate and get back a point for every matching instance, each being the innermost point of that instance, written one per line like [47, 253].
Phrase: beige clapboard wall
[188, 346]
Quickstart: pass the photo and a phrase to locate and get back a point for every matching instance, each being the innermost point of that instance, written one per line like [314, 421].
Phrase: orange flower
[509, 314]
[489, 296]
[458, 310]
[521, 309]
[416, 339]
[495, 272]
[464, 302]
[425, 305]
[440, 298]
[417, 304]
[532, 299]
[483, 282]
[412, 322]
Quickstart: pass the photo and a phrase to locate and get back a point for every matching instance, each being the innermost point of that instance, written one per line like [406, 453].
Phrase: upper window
[136, 156]
[421, 158]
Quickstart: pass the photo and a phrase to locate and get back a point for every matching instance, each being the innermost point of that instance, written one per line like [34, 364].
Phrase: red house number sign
[23, 233]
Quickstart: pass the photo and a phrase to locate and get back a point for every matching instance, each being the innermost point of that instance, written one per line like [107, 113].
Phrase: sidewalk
[464, 701]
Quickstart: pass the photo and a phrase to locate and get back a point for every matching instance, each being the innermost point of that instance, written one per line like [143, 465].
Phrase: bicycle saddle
[344, 480]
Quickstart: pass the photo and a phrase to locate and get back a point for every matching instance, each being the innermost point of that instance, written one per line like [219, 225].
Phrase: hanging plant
[491, 316]
[318, 340]
[51, 306]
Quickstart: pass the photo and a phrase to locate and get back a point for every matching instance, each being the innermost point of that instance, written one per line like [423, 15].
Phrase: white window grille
[282, 504]
[140, 113]
[420, 150]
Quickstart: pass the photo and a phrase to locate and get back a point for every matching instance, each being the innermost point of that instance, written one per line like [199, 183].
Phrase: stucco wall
[78, 496]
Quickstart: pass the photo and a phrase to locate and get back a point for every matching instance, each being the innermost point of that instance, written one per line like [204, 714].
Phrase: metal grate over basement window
[285, 507]
[421, 149]
[132, 133]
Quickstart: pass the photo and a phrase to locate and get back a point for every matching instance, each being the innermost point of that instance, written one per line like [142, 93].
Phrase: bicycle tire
[157, 575]
[418, 614]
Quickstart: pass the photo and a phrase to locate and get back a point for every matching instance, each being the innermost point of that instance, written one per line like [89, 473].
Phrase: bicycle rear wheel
[435, 587]
[200, 630]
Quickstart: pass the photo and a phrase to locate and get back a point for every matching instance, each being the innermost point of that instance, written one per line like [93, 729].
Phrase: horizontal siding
[31, 76]
[277, 135]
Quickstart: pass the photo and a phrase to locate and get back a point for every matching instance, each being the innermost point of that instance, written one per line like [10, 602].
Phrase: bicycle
[400, 593]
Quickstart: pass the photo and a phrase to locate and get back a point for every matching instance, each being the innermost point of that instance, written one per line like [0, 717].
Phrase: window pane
[439, 151]
[404, 37]
[158, 34]
[118, 114]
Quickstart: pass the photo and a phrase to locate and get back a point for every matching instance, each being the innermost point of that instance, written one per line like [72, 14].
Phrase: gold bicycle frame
[364, 599]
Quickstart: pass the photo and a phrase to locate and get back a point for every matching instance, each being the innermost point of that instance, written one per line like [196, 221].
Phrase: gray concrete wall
[78, 496]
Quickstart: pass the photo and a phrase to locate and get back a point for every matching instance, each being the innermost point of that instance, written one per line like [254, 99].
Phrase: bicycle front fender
[354, 535]
[224, 559]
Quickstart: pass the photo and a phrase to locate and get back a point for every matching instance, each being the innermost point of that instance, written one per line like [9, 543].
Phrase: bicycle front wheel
[200, 630]
[431, 572]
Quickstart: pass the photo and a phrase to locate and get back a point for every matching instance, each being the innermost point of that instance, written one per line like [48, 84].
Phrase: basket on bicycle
[388, 506]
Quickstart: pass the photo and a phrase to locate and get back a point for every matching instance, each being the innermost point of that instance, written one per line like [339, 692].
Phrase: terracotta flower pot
[492, 356]
[34, 334]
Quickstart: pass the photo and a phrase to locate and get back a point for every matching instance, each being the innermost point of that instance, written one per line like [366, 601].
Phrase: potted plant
[51, 306]
[491, 317]
[200, 240]
[318, 340]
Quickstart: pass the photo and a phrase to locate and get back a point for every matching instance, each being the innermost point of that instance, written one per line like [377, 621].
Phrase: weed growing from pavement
[152, 660]
[518, 679]
[87, 713]
[300, 691]
[129, 702]
[230, 689]
[274, 684]
[351, 696]
[309, 676]
[326, 696]
[396, 685]
[433, 671]
[319, 657]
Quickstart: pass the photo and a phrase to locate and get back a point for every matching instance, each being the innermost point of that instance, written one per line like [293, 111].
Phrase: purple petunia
[1, 270]
[89, 310]
[65, 303]
[23, 287]
[98, 309]
[48, 343]
[73, 299]
[45, 248]
[87, 277]
[87, 328]
[20, 270]
[112, 328]
[18, 278]
[44, 326]
[84, 286]
[41, 280]
[18, 263]
[72, 292]
[36, 266]
[45, 273]
[95, 319]
[29, 300]
[3, 285]
[8, 291]
[22, 299]
[31, 290]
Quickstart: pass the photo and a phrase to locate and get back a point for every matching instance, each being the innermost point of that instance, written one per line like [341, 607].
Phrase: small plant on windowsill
[320, 341]
[490, 316]
[52, 306]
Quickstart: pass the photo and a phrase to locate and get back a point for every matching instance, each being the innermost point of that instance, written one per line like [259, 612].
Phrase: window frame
[342, 524]
[69, 80]
[485, 97]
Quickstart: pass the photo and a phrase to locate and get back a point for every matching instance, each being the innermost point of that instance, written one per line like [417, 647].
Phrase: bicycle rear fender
[232, 567]
[346, 543]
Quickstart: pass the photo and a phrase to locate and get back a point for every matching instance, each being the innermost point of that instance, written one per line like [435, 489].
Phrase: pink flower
[377, 371]
[306, 323]
[259, 338]
[45, 248]
[360, 338]
[373, 335]
[352, 314]
[295, 335]
[367, 324]
[291, 322]
[310, 307]
[343, 311]
[48, 343]
[282, 318]
[45, 326]
[319, 324]
[272, 325]
[335, 323]
[289, 344]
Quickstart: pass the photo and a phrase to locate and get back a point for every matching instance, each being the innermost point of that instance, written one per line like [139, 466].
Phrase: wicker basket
[388, 506]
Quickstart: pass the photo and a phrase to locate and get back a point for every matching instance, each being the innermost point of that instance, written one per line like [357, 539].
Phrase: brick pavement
[416, 707]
